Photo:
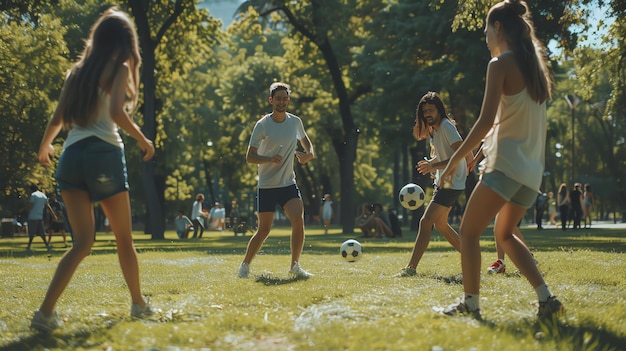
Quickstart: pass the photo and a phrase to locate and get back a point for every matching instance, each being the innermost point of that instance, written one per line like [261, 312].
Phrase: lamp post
[572, 101]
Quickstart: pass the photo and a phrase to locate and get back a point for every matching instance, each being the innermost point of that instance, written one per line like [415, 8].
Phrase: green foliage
[212, 86]
[28, 99]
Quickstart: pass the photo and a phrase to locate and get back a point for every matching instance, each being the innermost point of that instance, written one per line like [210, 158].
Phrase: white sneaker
[244, 270]
[45, 324]
[297, 272]
[138, 311]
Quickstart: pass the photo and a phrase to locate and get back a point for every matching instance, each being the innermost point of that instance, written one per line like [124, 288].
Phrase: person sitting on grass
[183, 225]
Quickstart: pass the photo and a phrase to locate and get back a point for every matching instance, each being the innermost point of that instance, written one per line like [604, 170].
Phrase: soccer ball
[411, 196]
[351, 250]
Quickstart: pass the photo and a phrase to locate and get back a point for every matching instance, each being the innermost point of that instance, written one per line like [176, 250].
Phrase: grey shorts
[95, 166]
[509, 190]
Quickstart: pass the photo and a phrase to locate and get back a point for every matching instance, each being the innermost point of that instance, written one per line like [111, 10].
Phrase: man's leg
[431, 216]
[257, 240]
[294, 209]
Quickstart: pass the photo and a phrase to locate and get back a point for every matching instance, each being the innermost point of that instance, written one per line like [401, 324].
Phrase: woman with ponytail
[512, 123]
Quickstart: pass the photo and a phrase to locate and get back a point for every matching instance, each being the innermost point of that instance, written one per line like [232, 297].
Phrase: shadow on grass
[270, 280]
[586, 336]
[600, 239]
[456, 279]
[56, 340]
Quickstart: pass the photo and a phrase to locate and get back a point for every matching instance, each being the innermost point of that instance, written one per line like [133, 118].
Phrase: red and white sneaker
[497, 267]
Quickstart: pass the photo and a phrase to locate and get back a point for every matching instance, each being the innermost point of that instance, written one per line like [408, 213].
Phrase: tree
[163, 16]
[27, 102]
[316, 22]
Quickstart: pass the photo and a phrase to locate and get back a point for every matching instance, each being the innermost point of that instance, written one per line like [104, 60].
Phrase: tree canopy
[357, 67]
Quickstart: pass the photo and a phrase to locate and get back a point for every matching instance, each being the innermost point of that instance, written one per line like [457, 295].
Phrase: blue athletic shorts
[95, 166]
[509, 189]
[267, 199]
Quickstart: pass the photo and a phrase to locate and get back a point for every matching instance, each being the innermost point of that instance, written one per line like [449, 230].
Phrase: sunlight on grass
[345, 306]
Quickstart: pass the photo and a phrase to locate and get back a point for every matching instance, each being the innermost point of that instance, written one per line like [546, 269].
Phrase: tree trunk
[345, 146]
[155, 223]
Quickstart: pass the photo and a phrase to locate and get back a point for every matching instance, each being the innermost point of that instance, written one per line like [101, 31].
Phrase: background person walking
[562, 200]
[198, 216]
[576, 205]
[588, 202]
[37, 204]
[327, 211]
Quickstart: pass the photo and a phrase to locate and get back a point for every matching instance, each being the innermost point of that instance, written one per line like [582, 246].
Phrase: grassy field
[346, 306]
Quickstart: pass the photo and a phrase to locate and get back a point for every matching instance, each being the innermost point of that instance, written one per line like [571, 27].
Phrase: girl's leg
[513, 246]
[80, 214]
[117, 210]
[481, 208]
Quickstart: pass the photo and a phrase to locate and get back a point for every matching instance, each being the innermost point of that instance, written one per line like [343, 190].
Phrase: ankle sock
[543, 292]
[472, 301]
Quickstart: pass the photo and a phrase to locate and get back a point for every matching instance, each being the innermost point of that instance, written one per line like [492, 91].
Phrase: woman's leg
[117, 210]
[481, 208]
[514, 246]
[80, 214]
[563, 210]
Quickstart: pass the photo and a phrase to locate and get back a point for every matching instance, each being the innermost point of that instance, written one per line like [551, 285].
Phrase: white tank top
[103, 127]
[516, 143]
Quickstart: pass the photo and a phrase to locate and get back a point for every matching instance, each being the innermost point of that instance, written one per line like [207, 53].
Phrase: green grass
[346, 306]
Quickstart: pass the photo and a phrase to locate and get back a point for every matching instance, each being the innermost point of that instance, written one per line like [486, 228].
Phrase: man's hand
[303, 157]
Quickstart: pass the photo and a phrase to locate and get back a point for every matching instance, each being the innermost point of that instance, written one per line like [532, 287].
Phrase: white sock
[543, 292]
[471, 300]
[501, 260]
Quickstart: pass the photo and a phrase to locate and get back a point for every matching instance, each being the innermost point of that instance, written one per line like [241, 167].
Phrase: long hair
[563, 190]
[112, 42]
[519, 32]
[421, 130]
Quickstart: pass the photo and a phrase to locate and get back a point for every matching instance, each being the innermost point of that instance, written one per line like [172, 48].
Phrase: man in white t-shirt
[434, 123]
[37, 204]
[273, 145]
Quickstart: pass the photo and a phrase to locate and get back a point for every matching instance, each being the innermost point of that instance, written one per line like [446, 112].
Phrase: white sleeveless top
[103, 127]
[516, 143]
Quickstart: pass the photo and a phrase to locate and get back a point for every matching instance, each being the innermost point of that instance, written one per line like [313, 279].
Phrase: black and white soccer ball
[411, 196]
[351, 250]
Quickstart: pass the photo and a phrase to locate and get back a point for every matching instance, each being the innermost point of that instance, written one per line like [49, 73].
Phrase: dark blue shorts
[446, 197]
[267, 199]
[95, 166]
[35, 227]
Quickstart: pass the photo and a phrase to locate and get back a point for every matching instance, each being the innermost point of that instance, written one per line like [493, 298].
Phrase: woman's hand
[46, 151]
[147, 147]
[447, 175]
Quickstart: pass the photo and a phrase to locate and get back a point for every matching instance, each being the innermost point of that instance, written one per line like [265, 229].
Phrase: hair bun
[519, 7]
